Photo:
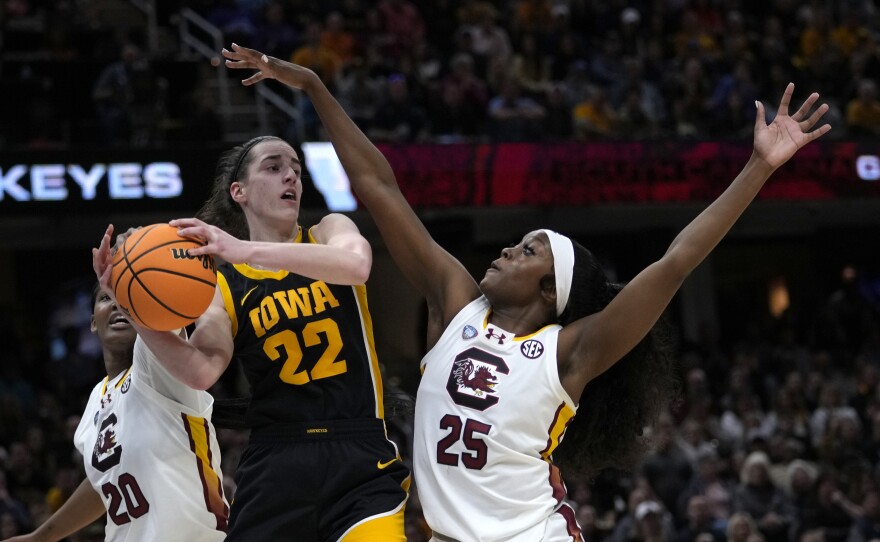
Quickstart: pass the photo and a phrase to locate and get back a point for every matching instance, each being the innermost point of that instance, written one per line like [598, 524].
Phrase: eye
[527, 249]
[274, 168]
[103, 297]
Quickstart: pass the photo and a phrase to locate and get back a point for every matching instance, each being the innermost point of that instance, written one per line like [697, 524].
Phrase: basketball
[160, 285]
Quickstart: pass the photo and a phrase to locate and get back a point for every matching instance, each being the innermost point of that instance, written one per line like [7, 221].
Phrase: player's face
[273, 189]
[109, 322]
[516, 276]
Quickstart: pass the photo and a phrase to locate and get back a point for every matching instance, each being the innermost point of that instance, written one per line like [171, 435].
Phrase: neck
[268, 234]
[519, 321]
[115, 362]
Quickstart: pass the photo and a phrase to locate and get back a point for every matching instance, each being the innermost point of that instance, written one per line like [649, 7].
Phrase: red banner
[623, 172]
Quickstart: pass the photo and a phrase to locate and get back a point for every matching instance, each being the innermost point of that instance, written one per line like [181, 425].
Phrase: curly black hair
[616, 407]
[220, 209]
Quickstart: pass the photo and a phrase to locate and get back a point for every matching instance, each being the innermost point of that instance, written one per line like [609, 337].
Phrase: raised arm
[434, 272]
[591, 345]
[342, 256]
[199, 362]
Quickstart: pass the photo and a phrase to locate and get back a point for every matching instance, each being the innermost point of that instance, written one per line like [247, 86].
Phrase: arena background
[799, 273]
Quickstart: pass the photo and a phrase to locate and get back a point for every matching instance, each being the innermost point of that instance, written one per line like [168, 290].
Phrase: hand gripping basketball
[157, 281]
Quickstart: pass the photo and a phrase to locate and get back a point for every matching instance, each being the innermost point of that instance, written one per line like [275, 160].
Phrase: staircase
[246, 111]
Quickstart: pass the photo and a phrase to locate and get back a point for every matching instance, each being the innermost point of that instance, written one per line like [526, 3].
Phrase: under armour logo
[490, 334]
[105, 401]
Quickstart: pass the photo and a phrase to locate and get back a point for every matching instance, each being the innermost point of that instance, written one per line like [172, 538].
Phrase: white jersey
[151, 452]
[490, 411]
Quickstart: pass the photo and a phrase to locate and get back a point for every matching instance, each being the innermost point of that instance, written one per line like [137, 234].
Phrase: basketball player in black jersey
[291, 307]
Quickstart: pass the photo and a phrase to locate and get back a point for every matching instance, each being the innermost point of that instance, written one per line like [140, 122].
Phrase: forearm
[197, 366]
[81, 509]
[331, 264]
[365, 166]
[696, 240]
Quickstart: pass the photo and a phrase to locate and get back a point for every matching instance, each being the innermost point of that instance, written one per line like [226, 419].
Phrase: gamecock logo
[473, 378]
[107, 452]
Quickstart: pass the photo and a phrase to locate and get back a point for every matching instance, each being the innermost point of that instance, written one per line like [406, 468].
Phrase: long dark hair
[220, 209]
[617, 406]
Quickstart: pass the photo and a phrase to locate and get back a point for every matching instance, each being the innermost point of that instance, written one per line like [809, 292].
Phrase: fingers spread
[819, 132]
[255, 78]
[806, 106]
[814, 118]
[786, 99]
[760, 121]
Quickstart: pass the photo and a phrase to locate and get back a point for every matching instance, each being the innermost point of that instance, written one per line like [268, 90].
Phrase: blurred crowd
[471, 70]
[776, 437]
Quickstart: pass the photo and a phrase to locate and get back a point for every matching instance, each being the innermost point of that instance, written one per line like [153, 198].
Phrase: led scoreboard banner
[443, 176]
[575, 174]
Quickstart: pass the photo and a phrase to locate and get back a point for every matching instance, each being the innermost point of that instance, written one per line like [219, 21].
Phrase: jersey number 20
[326, 366]
[127, 490]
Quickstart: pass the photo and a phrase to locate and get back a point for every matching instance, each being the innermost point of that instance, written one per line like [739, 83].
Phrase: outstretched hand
[268, 67]
[217, 241]
[776, 142]
[102, 261]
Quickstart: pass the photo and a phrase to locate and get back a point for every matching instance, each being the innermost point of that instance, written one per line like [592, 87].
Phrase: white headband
[563, 266]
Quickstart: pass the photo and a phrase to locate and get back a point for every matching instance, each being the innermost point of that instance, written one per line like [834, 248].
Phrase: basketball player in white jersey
[150, 452]
[510, 358]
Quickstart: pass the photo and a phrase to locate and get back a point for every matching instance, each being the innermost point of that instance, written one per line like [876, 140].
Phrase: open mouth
[118, 321]
[290, 196]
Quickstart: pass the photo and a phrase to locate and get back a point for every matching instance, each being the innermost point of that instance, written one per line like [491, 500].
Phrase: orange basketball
[158, 282]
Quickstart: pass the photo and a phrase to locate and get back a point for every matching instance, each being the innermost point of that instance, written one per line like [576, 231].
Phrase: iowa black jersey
[306, 346]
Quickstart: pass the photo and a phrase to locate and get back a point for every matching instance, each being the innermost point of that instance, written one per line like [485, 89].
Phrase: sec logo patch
[531, 348]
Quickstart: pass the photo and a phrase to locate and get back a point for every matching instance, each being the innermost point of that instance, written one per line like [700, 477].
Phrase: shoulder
[332, 225]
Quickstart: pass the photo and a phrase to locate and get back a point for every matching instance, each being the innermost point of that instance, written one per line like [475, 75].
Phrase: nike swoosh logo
[247, 294]
[381, 465]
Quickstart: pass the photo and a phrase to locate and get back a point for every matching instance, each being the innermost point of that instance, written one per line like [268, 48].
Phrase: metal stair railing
[192, 44]
[148, 7]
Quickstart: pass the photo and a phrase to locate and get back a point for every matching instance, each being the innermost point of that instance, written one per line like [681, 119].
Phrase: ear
[236, 190]
[93, 327]
[548, 290]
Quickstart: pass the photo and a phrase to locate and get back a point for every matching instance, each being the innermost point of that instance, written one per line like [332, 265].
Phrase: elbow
[201, 381]
[361, 271]
[202, 378]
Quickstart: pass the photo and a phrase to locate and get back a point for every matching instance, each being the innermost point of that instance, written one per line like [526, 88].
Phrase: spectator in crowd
[358, 93]
[314, 55]
[667, 469]
[274, 33]
[514, 117]
[398, 119]
[337, 38]
[866, 526]
[463, 99]
[558, 123]
[530, 67]
[826, 511]
[863, 111]
[490, 43]
[757, 496]
[742, 528]
[595, 118]
[709, 483]
[699, 521]
[649, 521]
[404, 23]
[112, 94]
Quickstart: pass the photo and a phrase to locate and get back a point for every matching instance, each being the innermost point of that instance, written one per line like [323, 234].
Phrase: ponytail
[617, 406]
